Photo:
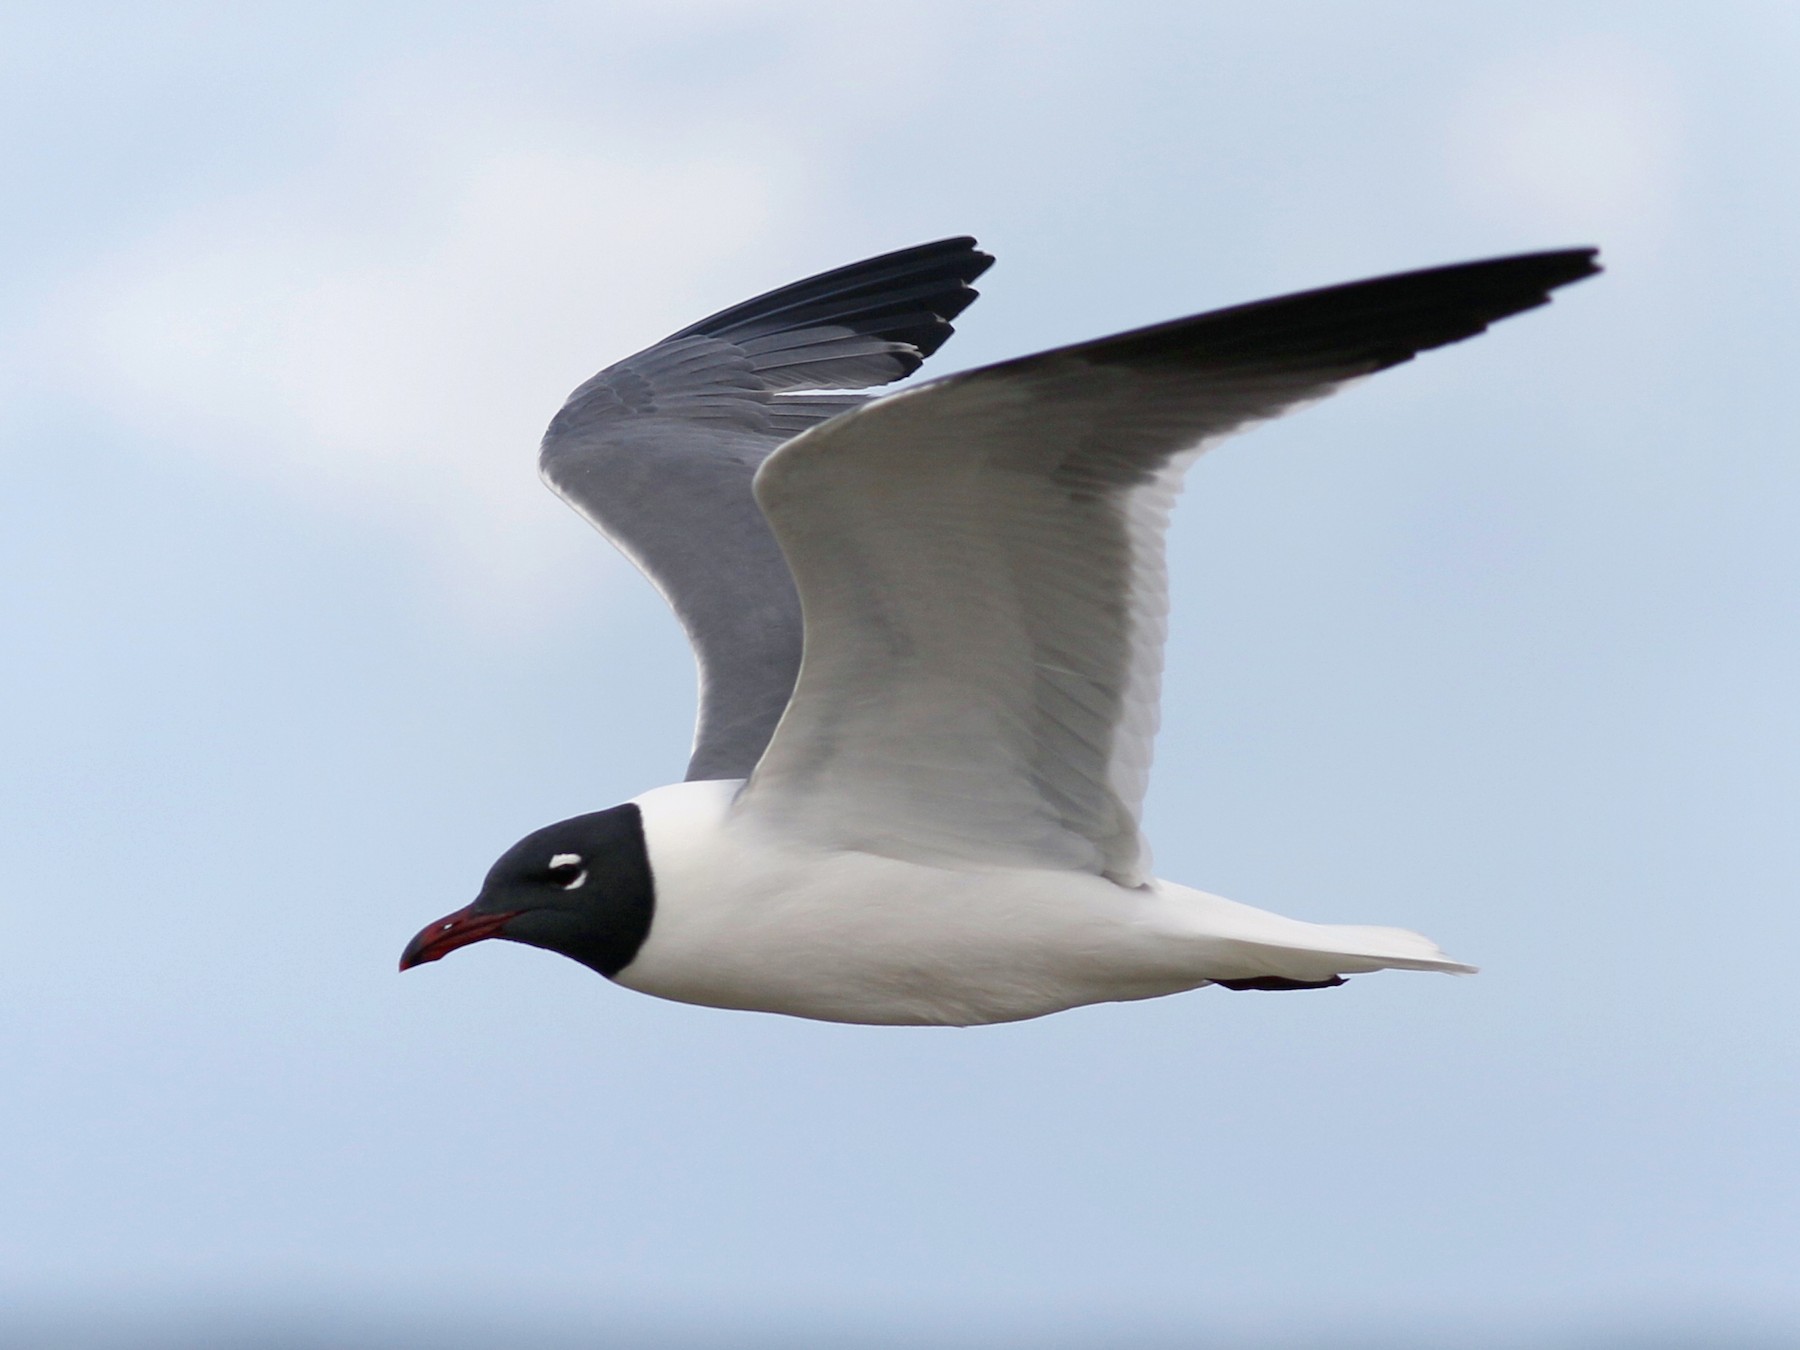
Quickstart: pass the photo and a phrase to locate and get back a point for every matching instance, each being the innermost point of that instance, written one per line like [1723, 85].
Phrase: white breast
[746, 921]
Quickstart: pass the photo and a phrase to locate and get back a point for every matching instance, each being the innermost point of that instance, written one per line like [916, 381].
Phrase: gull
[929, 627]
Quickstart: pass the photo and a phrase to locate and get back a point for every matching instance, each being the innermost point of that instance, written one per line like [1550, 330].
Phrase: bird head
[581, 887]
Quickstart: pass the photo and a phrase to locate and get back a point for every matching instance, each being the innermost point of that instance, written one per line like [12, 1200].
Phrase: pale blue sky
[1501, 646]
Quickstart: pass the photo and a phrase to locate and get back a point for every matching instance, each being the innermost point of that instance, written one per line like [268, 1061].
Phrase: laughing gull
[929, 628]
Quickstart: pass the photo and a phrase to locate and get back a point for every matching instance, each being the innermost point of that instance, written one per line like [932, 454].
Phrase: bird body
[929, 628]
[748, 919]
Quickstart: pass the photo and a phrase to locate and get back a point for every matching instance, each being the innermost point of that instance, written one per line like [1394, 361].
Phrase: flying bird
[929, 627]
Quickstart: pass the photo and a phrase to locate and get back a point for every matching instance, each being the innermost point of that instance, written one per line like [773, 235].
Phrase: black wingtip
[910, 295]
[1359, 327]
[1571, 264]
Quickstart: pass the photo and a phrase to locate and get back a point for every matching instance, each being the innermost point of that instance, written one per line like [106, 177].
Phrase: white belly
[743, 921]
[864, 939]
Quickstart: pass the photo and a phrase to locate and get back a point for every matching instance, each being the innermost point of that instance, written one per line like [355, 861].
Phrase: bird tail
[1249, 948]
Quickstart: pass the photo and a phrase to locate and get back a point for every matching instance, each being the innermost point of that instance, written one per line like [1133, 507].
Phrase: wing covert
[658, 453]
[980, 564]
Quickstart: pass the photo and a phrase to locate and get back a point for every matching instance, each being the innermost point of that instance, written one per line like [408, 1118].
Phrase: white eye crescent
[562, 862]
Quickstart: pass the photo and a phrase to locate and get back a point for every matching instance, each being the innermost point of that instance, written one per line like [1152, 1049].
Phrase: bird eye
[566, 871]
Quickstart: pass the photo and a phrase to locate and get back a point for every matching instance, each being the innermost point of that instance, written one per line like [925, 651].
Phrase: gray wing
[980, 560]
[658, 452]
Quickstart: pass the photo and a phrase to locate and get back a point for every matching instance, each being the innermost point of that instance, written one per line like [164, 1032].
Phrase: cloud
[385, 332]
[1581, 140]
